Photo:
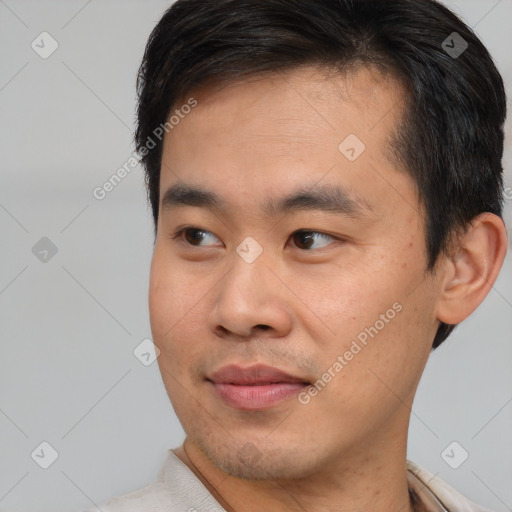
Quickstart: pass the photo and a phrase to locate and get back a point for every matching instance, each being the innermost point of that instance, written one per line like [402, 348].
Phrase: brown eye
[305, 239]
[193, 236]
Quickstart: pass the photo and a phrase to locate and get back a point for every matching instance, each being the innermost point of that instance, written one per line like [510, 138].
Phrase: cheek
[350, 298]
[172, 301]
[163, 293]
[382, 316]
[376, 377]
[397, 347]
[179, 304]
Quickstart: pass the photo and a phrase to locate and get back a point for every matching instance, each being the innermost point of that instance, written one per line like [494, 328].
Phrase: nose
[251, 301]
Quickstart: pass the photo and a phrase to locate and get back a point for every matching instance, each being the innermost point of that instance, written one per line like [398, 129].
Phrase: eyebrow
[328, 198]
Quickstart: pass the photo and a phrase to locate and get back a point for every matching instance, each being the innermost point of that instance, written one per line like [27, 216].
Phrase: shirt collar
[183, 483]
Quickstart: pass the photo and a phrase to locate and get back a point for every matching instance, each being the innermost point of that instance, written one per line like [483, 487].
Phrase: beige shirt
[177, 489]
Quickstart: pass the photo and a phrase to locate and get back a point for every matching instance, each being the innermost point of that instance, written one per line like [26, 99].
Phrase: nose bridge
[247, 296]
[246, 282]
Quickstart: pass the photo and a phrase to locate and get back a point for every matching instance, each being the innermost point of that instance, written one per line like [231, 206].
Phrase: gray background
[68, 327]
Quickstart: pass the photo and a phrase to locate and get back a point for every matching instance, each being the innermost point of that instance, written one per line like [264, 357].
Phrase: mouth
[255, 387]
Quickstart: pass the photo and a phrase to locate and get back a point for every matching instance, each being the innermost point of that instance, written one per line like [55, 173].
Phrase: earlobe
[472, 268]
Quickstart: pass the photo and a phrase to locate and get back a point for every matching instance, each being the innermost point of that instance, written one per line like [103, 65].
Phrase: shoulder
[148, 499]
[451, 499]
[176, 489]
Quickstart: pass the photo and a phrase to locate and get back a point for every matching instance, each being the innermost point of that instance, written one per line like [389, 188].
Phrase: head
[273, 126]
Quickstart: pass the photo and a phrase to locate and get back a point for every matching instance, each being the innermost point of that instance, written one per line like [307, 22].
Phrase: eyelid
[178, 234]
[323, 234]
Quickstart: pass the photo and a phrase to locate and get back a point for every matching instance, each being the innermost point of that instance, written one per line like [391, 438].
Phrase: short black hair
[450, 137]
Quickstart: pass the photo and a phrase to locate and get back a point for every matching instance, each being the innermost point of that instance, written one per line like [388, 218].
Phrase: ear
[471, 268]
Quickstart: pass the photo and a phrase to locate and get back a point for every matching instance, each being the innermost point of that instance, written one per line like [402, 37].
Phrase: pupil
[306, 239]
[194, 235]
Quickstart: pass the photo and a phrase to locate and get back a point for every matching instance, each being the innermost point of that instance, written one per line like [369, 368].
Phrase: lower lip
[257, 397]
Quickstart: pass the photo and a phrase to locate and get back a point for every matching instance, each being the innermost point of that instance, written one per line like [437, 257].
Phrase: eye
[305, 239]
[193, 236]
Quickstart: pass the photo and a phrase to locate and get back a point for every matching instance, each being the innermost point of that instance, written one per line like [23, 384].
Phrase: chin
[258, 460]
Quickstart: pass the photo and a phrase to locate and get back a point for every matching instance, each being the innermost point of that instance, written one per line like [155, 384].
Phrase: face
[289, 299]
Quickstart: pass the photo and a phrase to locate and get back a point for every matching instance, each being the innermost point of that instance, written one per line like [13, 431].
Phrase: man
[326, 184]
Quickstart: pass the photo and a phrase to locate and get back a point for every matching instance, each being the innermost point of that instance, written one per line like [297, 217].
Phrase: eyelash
[178, 235]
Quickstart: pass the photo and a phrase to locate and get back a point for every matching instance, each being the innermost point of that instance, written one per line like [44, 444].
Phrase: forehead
[284, 130]
[305, 101]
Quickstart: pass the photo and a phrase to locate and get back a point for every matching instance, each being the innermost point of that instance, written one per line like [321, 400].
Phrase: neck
[373, 481]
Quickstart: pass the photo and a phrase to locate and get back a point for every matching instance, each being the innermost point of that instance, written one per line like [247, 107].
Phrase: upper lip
[252, 375]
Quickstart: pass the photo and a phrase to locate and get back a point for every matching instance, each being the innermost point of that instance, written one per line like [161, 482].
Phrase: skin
[298, 306]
